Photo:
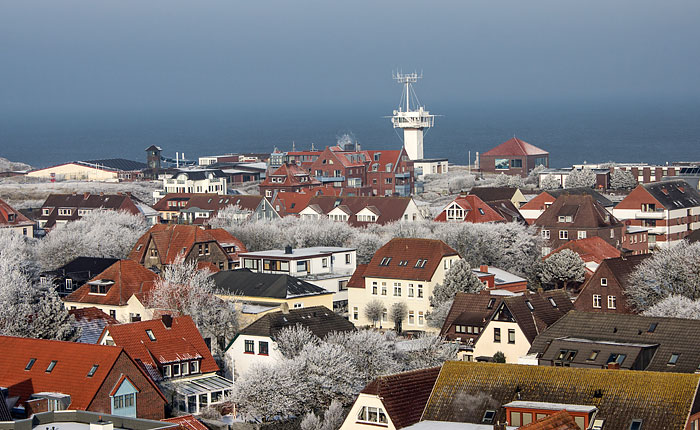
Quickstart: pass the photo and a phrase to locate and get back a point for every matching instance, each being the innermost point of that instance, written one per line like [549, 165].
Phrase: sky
[159, 55]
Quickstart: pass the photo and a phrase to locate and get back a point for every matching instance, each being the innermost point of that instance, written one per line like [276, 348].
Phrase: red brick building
[288, 177]
[78, 376]
[513, 157]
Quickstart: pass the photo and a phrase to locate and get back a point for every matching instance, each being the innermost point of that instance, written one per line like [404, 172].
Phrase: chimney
[102, 425]
[499, 426]
[85, 196]
[288, 249]
[102, 194]
[285, 308]
[484, 268]
[167, 320]
[614, 366]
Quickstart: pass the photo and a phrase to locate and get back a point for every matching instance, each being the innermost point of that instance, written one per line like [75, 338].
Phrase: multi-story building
[63, 208]
[14, 220]
[326, 266]
[362, 211]
[513, 157]
[288, 177]
[404, 270]
[212, 181]
[192, 208]
[536, 206]
[670, 210]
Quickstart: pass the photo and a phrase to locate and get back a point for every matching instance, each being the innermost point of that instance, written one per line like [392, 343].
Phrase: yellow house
[404, 270]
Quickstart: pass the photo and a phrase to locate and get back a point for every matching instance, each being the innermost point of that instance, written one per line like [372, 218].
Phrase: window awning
[203, 385]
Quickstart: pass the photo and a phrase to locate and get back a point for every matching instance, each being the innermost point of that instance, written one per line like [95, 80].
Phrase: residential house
[174, 354]
[536, 206]
[403, 270]
[162, 244]
[75, 273]
[497, 194]
[211, 181]
[83, 420]
[256, 344]
[669, 209]
[186, 422]
[288, 177]
[513, 157]
[91, 170]
[393, 401]
[120, 291]
[602, 176]
[362, 211]
[592, 250]
[499, 279]
[430, 166]
[291, 203]
[91, 321]
[604, 291]
[490, 393]
[468, 208]
[488, 322]
[193, 208]
[266, 292]
[624, 341]
[391, 173]
[577, 217]
[14, 220]
[346, 170]
[63, 208]
[329, 267]
[49, 375]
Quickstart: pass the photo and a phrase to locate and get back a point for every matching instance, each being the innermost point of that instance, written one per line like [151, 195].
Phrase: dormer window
[100, 286]
[10, 217]
[194, 367]
[151, 336]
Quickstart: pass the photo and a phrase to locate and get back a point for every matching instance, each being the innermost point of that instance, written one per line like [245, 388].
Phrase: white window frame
[603, 282]
[612, 302]
[597, 299]
[563, 234]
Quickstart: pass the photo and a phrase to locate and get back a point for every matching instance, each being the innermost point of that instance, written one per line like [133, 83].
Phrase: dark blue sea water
[654, 132]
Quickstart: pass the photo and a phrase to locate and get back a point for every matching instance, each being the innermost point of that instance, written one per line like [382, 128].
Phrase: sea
[572, 132]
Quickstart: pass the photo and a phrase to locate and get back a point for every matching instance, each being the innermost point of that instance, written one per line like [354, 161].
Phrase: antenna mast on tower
[411, 116]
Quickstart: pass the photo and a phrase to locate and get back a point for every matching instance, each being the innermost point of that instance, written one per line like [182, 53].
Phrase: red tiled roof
[69, 375]
[124, 202]
[385, 157]
[584, 211]
[211, 202]
[539, 202]
[590, 249]
[390, 208]
[171, 240]
[130, 278]
[182, 341]
[474, 207]
[515, 146]
[557, 421]
[357, 280]
[291, 173]
[411, 250]
[187, 422]
[92, 314]
[291, 203]
[18, 220]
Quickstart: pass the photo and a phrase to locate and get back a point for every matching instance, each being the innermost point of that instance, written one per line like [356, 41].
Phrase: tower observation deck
[411, 116]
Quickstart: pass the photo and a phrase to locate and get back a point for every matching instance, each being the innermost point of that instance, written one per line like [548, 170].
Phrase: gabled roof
[591, 330]
[584, 211]
[514, 147]
[318, 319]
[675, 194]
[181, 341]
[171, 240]
[291, 203]
[404, 395]
[660, 400]
[507, 210]
[243, 282]
[69, 375]
[471, 309]
[489, 194]
[129, 277]
[621, 267]
[91, 322]
[89, 201]
[390, 208]
[385, 157]
[18, 219]
[410, 250]
[82, 267]
[357, 280]
[561, 420]
[476, 210]
[208, 202]
[549, 196]
[543, 313]
[594, 249]
[187, 422]
[291, 174]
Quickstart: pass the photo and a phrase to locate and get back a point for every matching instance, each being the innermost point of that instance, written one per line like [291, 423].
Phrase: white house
[361, 211]
[193, 181]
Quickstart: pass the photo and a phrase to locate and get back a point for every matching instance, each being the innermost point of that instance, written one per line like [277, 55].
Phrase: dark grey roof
[198, 175]
[672, 335]
[677, 194]
[83, 267]
[604, 201]
[4, 409]
[118, 164]
[694, 236]
[243, 282]
[319, 319]
[489, 194]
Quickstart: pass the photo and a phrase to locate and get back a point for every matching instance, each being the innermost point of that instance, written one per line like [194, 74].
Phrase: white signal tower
[411, 116]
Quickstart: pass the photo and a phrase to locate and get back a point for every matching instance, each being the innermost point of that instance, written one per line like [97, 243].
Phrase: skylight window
[488, 417]
[30, 364]
[491, 303]
[385, 261]
[529, 305]
[403, 263]
[552, 302]
[92, 371]
[593, 356]
[652, 327]
[418, 263]
[151, 336]
[673, 360]
[636, 425]
[51, 366]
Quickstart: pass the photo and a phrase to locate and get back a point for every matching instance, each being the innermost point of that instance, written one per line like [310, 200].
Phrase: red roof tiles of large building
[561, 420]
[410, 252]
[187, 422]
[594, 249]
[69, 374]
[388, 209]
[172, 240]
[291, 175]
[357, 280]
[180, 341]
[515, 146]
[9, 217]
[129, 277]
[211, 202]
[476, 210]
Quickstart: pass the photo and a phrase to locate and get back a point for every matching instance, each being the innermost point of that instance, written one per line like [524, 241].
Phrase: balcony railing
[657, 214]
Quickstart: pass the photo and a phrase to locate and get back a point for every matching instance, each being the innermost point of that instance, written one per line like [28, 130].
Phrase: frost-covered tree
[366, 244]
[292, 340]
[671, 271]
[561, 269]
[533, 177]
[461, 183]
[438, 314]
[50, 319]
[504, 180]
[374, 311]
[332, 418]
[426, 350]
[185, 290]
[459, 278]
[622, 179]
[329, 374]
[229, 216]
[675, 306]
[579, 178]
[369, 351]
[311, 422]
[101, 233]
[397, 314]
[549, 182]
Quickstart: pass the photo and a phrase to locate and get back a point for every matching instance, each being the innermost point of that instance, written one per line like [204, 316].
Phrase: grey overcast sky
[164, 54]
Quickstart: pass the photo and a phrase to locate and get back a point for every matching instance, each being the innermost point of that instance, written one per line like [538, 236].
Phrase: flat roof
[501, 276]
[550, 406]
[298, 252]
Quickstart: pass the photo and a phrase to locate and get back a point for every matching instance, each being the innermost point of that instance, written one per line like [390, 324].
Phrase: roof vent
[167, 320]
[288, 249]
[598, 394]
[102, 425]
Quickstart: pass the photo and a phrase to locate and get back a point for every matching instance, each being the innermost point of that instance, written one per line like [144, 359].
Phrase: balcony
[403, 175]
[657, 214]
[327, 179]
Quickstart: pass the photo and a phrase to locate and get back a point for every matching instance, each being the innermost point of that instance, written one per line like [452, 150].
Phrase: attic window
[598, 424]
[652, 327]
[636, 425]
[51, 366]
[385, 261]
[151, 336]
[552, 302]
[420, 263]
[529, 305]
[491, 303]
[673, 360]
[488, 417]
[617, 358]
[30, 364]
[138, 248]
[92, 371]
[593, 356]
[403, 263]
[481, 211]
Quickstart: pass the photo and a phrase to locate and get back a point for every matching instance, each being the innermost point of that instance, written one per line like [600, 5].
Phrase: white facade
[368, 412]
[181, 183]
[75, 172]
[124, 314]
[664, 215]
[430, 167]
[512, 344]
[247, 350]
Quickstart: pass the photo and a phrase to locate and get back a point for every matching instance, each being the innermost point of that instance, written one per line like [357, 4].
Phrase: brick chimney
[614, 366]
[484, 268]
[167, 320]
